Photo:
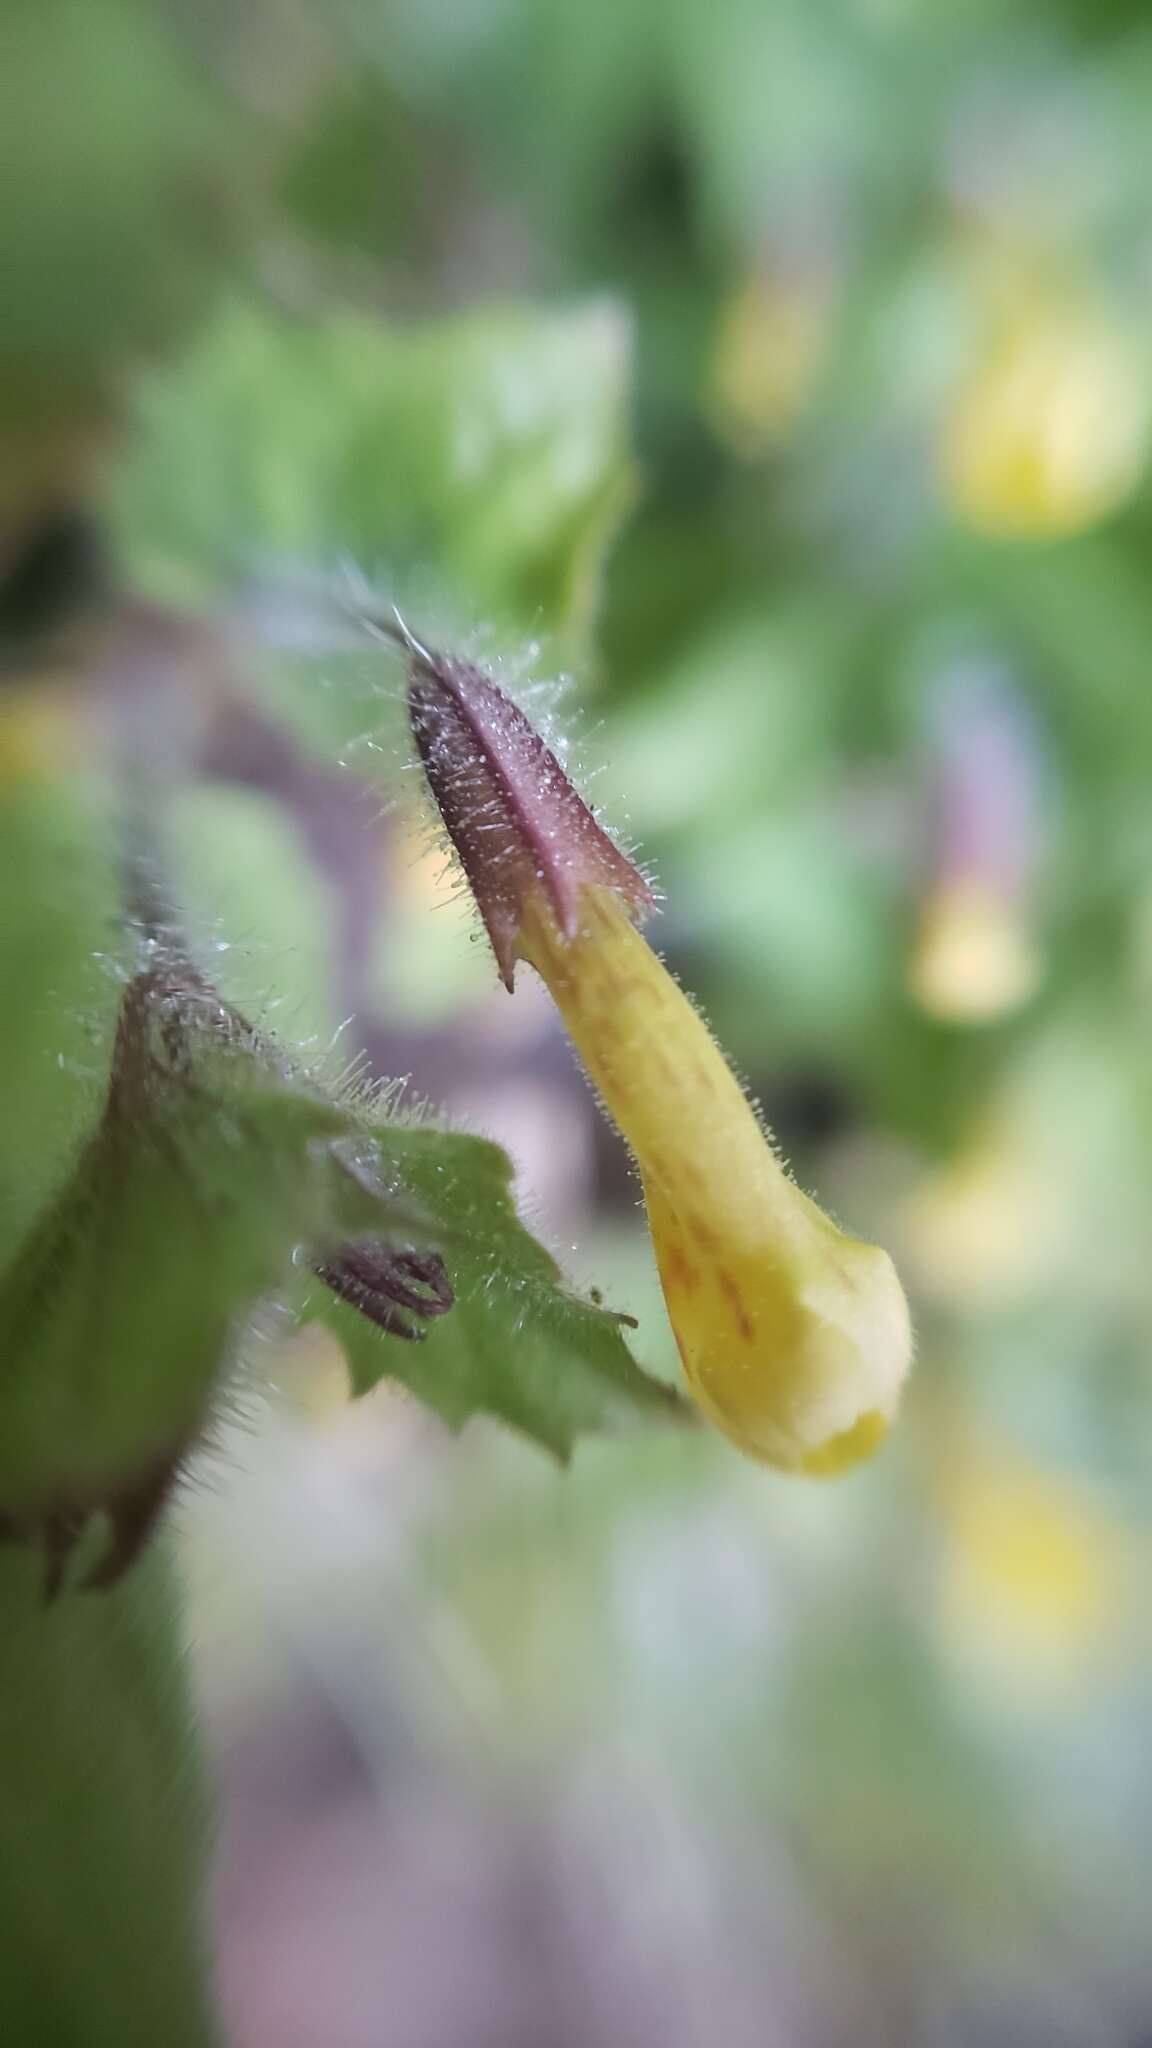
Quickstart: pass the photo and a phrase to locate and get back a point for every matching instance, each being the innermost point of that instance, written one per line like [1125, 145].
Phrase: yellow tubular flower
[795, 1339]
[1034, 1575]
[767, 354]
[974, 961]
[1049, 432]
[37, 736]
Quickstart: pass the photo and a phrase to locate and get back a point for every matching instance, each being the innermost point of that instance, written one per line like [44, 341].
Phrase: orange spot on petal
[735, 1300]
[680, 1272]
[703, 1232]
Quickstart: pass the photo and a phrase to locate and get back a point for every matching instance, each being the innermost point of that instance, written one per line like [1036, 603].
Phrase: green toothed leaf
[479, 463]
[211, 1168]
[518, 1345]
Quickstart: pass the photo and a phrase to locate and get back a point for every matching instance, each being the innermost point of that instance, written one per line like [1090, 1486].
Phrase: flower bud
[512, 815]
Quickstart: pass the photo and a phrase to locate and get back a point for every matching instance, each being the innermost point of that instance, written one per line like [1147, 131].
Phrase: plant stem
[102, 1819]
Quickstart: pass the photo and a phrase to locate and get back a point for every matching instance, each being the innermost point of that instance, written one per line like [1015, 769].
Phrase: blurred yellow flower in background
[38, 734]
[767, 352]
[1048, 431]
[974, 960]
[975, 956]
[1033, 1571]
[985, 1227]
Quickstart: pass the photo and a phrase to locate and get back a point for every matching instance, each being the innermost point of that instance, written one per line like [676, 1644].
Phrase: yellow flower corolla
[1049, 432]
[983, 1229]
[974, 960]
[1034, 1569]
[767, 352]
[795, 1338]
[37, 736]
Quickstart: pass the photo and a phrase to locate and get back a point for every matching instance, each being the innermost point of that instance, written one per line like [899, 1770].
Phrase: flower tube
[794, 1337]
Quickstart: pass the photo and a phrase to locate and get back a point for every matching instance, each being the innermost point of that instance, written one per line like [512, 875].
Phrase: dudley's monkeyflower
[794, 1338]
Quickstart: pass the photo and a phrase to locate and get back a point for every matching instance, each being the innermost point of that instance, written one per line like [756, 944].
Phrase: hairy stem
[102, 1830]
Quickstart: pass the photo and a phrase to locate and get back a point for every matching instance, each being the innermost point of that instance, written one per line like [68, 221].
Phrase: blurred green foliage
[839, 318]
[501, 439]
[484, 458]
